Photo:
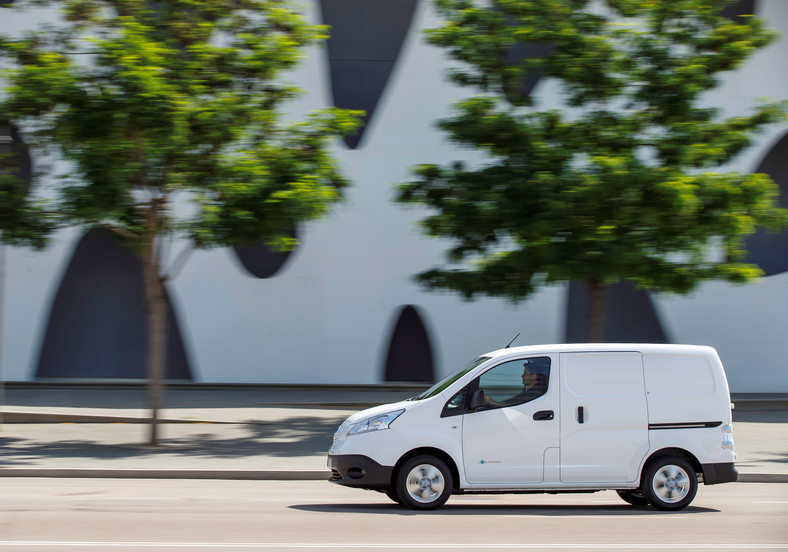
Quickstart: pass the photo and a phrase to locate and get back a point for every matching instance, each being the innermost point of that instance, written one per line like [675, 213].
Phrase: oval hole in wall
[261, 260]
[739, 9]
[366, 39]
[15, 156]
[96, 326]
[769, 250]
[517, 54]
[409, 357]
[630, 316]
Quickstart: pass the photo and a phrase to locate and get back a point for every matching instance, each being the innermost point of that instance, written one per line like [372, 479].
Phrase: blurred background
[342, 307]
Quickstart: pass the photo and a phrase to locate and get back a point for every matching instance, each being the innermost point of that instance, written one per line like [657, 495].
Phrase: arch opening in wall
[97, 323]
[769, 250]
[16, 166]
[630, 316]
[409, 357]
[365, 42]
[261, 260]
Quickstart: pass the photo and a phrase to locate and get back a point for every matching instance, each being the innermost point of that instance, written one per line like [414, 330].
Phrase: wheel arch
[674, 452]
[431, 451]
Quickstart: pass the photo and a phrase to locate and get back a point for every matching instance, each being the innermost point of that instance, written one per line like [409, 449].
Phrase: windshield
[451, 378]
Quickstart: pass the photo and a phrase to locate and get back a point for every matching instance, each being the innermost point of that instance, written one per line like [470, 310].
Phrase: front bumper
[356, 470]
[724, 472]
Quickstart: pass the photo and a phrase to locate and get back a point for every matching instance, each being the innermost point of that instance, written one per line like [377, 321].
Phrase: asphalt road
[157, 515]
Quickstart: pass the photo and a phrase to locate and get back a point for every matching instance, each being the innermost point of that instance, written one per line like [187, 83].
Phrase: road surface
[156, 515]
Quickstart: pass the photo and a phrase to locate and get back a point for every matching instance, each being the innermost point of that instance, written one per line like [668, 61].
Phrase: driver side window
[515, 382]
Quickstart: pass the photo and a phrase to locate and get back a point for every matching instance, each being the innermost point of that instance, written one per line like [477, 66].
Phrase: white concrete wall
[327, 316]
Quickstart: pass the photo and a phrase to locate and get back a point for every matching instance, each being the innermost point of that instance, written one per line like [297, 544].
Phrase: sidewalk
[246, 433]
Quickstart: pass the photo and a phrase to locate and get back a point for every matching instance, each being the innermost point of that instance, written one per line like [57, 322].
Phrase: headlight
[341, 431]
[381, 421]
[339, 435]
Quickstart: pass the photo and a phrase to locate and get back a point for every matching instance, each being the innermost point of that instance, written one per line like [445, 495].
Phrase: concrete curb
[19, 417]
[259, 475]
[142, 385]
[12, 417]
[763, 478]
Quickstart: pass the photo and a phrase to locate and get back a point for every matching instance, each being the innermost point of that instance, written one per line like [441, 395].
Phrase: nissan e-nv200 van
[649, 421]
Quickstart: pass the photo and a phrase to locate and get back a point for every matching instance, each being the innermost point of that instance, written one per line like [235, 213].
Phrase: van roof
[654, 348]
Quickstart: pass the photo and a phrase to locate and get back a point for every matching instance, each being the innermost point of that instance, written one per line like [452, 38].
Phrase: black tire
[669, 483]
[634, 497]
[424, 482]
[391, 492]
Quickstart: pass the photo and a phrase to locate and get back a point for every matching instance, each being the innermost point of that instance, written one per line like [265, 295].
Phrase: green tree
[156, 102]
[623, 182]
[21, 220]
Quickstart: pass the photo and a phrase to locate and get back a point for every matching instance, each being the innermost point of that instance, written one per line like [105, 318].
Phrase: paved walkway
[280, 433]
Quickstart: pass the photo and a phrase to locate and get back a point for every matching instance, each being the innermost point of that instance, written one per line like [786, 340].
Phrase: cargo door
[604, 417]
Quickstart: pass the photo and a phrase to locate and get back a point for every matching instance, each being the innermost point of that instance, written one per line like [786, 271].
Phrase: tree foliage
[22, 220]
[167, 96]
[155, 102]
[626, 180]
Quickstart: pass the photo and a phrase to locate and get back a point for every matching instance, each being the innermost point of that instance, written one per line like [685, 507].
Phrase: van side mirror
[477, 400]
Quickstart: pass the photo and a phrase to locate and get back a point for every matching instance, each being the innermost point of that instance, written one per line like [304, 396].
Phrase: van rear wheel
[634, 497]
[670, 483]
[424, 482]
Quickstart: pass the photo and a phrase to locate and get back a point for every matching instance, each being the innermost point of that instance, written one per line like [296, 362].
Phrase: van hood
[380, 409]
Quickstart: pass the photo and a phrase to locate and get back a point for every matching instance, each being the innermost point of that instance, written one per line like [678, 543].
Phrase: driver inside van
[534, 380]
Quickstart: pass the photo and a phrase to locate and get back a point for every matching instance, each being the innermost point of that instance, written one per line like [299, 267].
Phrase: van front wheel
[424, 482]
[669, 483]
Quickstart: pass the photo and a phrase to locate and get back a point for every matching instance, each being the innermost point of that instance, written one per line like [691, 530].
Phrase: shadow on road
[498, 509]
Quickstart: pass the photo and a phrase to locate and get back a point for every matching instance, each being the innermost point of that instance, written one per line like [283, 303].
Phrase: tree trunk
[156, 323]
[596, 311]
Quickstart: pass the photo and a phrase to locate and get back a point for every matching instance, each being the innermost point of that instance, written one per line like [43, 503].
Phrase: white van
[649, 421]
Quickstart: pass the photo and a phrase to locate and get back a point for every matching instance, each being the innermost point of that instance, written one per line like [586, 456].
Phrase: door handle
[581, 415]
[544, 415]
